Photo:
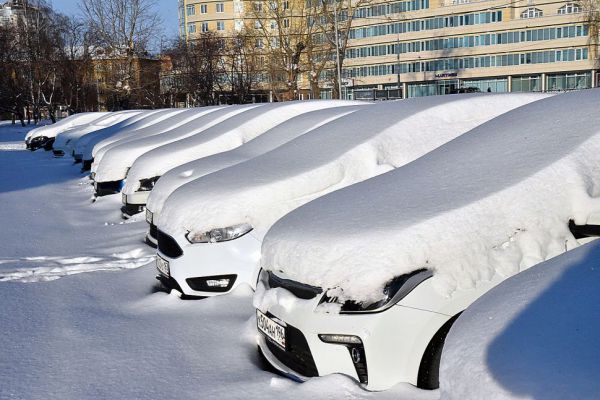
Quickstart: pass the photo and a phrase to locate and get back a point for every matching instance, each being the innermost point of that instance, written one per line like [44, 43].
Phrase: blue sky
[166, 8]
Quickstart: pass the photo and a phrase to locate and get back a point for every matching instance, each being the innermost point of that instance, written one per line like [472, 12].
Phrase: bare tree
[123, 31]
[243, 66]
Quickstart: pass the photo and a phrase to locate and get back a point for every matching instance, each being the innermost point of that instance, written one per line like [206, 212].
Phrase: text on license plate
[162, 265]
[271, 329]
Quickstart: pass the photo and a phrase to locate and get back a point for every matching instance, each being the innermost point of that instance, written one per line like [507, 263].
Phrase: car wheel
[429, 370]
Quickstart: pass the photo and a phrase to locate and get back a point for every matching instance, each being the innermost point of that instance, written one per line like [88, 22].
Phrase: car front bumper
[134, 203]
[393, 341]
[236, 258]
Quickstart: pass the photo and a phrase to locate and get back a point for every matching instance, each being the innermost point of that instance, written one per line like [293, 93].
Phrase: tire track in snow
[44, 269]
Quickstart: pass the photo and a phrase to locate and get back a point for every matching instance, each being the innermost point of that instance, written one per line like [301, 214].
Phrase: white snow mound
[534, 336]
[494, 201]
[361, 145]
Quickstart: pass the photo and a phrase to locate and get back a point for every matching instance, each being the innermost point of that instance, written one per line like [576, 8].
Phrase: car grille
[298, 289]
[168, 246]
[153, 231]
[297, 356]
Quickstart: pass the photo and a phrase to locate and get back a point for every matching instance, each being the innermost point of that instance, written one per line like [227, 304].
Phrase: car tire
[429, 370]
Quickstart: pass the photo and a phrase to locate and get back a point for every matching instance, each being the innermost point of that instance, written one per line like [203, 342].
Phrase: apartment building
[415, 48]
[441, 46]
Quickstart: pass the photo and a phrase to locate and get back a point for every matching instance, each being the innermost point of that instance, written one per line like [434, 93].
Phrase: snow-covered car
[113, 160]
[65, 141]
[214, 226]
[227, 135]
[268, 141]
[85, 145]
[368, 280]
[44, 136]
[533, 336]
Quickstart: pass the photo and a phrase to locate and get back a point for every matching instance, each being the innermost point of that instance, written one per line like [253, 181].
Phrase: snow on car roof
[269, 140]
[85, 145]
[228, 134]
[493, 201]
[361, 145]
[64, 124]
[533, 336]
[116, 119]
[112, 160]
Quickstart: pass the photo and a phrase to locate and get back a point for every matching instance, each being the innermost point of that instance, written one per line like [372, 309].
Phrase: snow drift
[227, 135]
[363, 144]
[494, 201]
[113, 158]
[533, 336]
[274, 138]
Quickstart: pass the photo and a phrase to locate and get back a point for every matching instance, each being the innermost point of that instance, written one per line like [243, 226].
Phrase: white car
[249, 123]
[113, 160]
[44, 135]
[66, 140]
[214, 226]
[367, 281]
[85, 145]
[193, 170]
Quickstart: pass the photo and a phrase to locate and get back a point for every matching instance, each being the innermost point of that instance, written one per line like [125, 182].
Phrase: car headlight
[147, 185]
[219, 234]
[394, 291]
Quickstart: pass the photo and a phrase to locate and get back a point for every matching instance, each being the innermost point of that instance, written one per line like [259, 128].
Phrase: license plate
[163, 266]
[148, 216]
[271, 329]
[124, 198]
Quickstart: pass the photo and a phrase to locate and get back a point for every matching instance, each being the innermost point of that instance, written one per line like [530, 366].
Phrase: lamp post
[337, 50]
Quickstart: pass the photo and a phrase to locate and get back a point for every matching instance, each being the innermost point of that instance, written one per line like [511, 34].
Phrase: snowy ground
[81, 316]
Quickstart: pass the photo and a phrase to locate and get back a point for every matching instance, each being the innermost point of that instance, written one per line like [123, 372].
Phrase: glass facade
[568, 81]
[527, 83]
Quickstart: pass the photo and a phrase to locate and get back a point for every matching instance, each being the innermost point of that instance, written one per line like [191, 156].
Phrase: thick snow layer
[113, 335]
[161, 124]
[268, 141]
[66, 139]
[112, 161]
[140, 119]
[138, 128]
[494, 201]
[534, 336]
[361, 145]
[64, 124]
[225, 136]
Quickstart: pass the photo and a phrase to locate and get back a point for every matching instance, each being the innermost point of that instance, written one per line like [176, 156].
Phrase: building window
[526, 84]
[286, 5]
[205, 27]
[569, 81]
[286, 23]
[257, 7]
[570, 8]
[532, 13]
[220, 25]
[191, 28]
[257, 24]
[239, 24]
[273, 24]
[203, 8]
[259, 43]
[220, 7]
[190, 10]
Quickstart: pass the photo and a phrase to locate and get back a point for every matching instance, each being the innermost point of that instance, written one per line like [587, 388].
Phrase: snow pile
[65, 139]
[112, 161]
[64, 124]
[534, 336]
[361, 145]
[275, 137]
[494, 201]
[227, 135]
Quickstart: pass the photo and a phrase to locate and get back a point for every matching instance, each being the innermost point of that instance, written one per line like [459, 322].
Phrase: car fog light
[222, 283]
[340, 339]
